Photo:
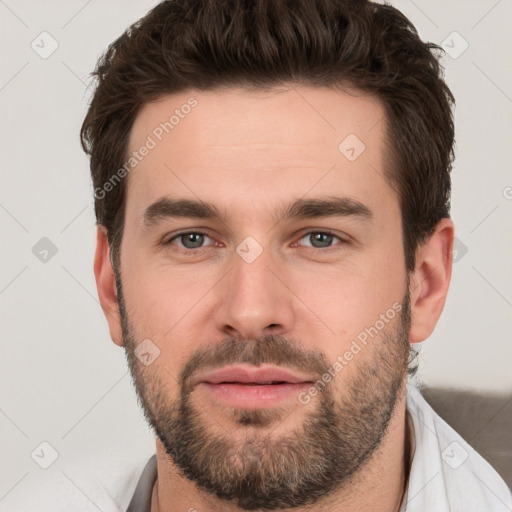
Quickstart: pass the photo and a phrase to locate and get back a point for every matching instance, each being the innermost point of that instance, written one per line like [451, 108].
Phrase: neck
[378, 487]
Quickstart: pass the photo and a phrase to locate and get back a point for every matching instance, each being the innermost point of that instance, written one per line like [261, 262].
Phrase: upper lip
[253, 375]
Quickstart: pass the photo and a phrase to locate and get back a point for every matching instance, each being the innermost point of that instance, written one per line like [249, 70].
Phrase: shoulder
[446, 471]
[103, 482]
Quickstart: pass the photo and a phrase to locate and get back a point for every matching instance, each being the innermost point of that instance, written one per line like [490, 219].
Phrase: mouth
[253, 388]
[253, 383]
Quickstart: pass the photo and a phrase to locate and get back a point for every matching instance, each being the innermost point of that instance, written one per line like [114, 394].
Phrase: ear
[430, 281]
[106, 284]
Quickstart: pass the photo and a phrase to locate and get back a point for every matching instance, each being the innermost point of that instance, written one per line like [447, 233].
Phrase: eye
[321, 239]
[194, 241]
[190, 240]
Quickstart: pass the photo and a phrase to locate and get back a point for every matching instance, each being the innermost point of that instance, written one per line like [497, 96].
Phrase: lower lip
[255, 396]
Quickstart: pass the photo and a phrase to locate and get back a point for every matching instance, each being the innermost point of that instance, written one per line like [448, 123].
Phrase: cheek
[158, 317]
[166, 305]
[343, 302]
[352, 291]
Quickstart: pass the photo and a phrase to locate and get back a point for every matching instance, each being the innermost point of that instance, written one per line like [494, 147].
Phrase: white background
[62, 379]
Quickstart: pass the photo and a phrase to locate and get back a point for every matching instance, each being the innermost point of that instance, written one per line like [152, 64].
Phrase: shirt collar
[141, 499]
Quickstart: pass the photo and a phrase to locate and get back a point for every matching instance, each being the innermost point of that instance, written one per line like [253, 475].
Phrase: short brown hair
[259, 44]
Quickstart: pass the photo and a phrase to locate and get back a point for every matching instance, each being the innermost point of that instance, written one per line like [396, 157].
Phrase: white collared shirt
[447, 474]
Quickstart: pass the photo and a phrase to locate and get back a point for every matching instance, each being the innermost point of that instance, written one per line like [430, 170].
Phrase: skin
[284, 147]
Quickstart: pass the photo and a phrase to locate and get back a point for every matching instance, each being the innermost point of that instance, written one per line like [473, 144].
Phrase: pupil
[324, 238]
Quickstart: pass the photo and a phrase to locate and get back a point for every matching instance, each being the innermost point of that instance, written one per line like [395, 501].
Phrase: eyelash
[200, 250]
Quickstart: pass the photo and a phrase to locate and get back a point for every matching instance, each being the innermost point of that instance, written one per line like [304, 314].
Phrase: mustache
[270, 349]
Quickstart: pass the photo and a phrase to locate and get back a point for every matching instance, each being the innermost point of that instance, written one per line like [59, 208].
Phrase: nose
[254, 299]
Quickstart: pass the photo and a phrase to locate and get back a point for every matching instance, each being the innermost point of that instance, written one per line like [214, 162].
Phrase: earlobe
[430, 281]
[106, 285]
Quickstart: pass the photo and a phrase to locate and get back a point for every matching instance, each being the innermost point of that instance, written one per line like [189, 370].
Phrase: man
[272, 193]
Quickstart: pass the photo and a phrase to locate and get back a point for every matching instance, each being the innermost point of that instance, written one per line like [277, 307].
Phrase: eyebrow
[167, 207]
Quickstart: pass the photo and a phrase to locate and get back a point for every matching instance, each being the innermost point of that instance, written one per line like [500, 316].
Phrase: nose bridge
[254, 299]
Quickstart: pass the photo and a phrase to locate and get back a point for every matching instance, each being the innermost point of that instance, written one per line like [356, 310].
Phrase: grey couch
[484, 420]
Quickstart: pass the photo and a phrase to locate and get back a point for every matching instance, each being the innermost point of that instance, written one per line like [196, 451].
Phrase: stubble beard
[257, 468]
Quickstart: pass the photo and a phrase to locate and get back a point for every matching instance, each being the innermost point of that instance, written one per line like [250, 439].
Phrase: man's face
[317, 295]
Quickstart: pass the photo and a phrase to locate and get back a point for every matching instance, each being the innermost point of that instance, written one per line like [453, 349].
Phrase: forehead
[314, 116]
[230, 143]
